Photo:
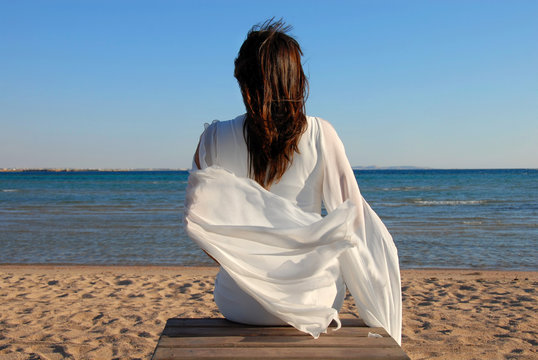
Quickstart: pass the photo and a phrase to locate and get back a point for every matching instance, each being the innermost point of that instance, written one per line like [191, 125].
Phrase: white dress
[281, 262]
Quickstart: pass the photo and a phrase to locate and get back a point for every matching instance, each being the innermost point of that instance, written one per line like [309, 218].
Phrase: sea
[470, 219]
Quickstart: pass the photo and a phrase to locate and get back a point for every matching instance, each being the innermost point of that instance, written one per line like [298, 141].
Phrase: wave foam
[449, 202]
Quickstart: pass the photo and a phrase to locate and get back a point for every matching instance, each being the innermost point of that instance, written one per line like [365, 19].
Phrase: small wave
[407, 188]
[9, 190]
[391, 204]
[472, 222]
[449, 202]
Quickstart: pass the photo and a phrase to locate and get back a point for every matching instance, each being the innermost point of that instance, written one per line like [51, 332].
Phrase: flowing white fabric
[275, 247]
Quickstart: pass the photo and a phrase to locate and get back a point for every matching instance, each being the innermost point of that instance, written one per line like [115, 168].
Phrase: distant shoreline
[7, 170]
[372, 167]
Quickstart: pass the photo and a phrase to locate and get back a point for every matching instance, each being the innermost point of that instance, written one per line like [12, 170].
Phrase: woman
[255, 204]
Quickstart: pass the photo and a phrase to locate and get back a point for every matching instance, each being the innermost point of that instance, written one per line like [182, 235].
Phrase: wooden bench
[223, 339]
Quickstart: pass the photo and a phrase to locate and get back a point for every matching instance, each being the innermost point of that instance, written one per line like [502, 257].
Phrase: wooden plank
[266, 331]
[219, 338]
[352, 322]
[275, 341]
[221, 322]
[202, 322]
[163, 353]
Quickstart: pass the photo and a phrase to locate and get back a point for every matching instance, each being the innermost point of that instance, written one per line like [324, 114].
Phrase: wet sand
[90, 312]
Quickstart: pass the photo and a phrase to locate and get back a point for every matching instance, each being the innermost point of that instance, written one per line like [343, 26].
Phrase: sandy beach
[90, 312]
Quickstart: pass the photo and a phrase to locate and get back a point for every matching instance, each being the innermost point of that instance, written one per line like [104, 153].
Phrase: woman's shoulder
[219, 128]
[327, 136]
[321, 125]
[236, 121]
[233, 124]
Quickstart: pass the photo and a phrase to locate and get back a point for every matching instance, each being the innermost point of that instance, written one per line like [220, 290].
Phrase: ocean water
[483, 219]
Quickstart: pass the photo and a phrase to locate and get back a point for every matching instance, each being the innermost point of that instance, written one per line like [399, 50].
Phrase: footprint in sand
[183, 288]
[466, 287]
[124, 282]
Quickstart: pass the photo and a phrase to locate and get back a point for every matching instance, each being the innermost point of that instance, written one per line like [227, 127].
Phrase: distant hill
[374, 167]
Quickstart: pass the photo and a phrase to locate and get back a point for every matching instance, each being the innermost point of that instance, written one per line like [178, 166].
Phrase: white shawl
[285, 257]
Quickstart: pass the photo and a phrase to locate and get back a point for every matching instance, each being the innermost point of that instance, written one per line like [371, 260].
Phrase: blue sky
[129, 84]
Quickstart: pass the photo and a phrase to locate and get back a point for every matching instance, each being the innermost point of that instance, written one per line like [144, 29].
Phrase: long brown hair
[269, 72]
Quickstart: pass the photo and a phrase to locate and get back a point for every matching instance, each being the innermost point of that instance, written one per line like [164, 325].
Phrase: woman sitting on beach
[255, 206]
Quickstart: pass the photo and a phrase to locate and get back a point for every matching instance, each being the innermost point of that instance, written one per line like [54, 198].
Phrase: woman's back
[225, 146]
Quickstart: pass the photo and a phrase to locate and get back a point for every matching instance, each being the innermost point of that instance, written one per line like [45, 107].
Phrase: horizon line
[359, 167]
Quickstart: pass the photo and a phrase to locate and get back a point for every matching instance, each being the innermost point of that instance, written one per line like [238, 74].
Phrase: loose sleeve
[370, 269]
[207, 147]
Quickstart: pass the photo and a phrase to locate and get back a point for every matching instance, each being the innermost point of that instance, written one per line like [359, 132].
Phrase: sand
[87, 312]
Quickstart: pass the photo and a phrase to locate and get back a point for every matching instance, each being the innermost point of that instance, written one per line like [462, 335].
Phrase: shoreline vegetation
[90, 312]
